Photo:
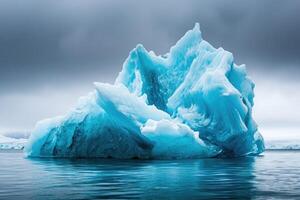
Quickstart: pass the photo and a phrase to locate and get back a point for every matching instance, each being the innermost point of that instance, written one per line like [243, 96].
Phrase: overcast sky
[51, 52]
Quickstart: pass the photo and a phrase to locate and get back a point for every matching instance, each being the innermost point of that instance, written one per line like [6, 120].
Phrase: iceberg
[7, 143]
[192, 102]
[282, 144]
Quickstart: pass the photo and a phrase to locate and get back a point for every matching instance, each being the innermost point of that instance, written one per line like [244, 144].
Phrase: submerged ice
[192, 102]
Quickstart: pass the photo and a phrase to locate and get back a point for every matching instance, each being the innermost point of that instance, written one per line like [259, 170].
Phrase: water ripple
[275, 175]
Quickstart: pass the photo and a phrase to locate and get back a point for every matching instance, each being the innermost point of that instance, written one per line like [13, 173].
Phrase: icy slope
[192, 102]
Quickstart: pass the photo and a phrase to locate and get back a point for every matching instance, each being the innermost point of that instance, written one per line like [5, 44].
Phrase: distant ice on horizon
[7, 143]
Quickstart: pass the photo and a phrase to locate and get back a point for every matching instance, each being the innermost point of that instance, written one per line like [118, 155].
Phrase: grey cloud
[46, 45]
[64, 33]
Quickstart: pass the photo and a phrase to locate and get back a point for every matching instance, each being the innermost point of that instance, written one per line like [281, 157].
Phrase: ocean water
[274, 175]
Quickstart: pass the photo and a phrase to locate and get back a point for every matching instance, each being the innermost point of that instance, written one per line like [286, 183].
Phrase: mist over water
[273, 175]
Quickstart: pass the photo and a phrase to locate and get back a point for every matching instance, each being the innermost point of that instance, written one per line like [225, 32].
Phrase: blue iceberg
[193, 102]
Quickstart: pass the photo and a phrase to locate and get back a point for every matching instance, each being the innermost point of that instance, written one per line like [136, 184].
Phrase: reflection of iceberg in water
[192, 102]
[232, 178]
[148, 179]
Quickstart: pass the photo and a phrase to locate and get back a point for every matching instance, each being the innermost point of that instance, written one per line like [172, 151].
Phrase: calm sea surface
[275, 175]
